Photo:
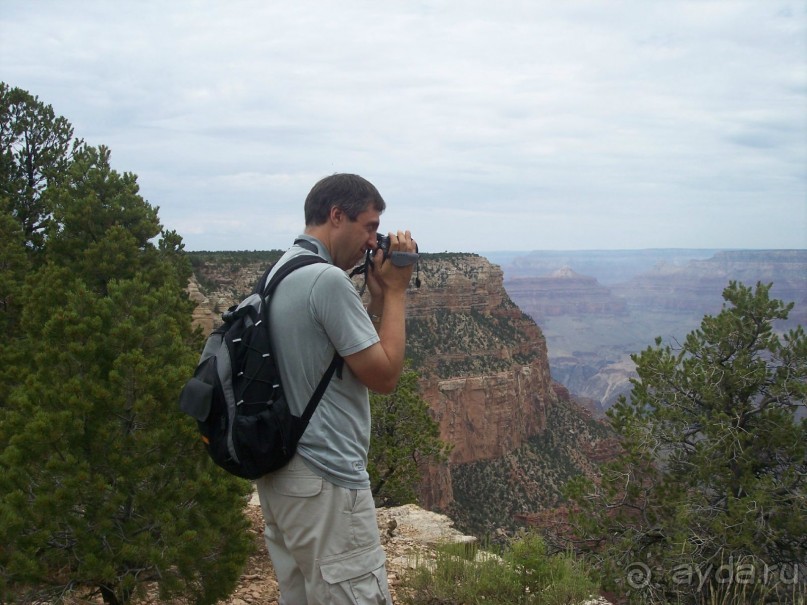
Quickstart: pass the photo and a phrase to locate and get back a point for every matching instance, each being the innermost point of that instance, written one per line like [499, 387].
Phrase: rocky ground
[408, 534]
[257, 583]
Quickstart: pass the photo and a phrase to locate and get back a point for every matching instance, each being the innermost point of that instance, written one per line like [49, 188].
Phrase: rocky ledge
[409, 535]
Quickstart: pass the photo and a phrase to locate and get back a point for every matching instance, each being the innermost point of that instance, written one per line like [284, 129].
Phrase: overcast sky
[486, 125]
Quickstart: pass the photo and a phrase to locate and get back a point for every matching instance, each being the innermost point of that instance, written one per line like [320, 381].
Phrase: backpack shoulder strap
[336, 363]
[289, 266]
[266, 290]
[260, 286]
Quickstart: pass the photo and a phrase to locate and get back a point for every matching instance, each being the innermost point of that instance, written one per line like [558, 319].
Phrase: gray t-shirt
[315, 310]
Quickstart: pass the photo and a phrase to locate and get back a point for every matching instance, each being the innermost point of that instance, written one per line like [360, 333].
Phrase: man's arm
[379, 366]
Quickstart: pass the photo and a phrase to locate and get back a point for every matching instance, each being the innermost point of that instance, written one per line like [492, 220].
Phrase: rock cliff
[482, 362]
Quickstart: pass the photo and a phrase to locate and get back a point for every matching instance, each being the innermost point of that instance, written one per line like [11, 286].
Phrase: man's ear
[336, 215]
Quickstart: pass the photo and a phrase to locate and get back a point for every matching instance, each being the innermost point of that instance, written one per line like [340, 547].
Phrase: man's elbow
[373, 368]
[384, 386]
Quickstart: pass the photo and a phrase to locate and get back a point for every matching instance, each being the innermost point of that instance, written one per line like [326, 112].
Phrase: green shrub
[523, 574]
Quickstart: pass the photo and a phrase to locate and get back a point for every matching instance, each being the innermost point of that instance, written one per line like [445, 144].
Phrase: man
[321, 529]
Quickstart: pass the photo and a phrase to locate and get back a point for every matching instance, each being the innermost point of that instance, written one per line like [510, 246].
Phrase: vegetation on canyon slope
[713, 473]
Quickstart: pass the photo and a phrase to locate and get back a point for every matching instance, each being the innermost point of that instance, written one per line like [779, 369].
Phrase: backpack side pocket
[196, 399]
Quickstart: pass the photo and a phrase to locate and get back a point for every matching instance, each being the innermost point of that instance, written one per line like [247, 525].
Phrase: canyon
[596, 308]
[519, 355]
[484, 372]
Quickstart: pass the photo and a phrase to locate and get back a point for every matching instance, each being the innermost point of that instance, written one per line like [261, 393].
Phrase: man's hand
[388, 276]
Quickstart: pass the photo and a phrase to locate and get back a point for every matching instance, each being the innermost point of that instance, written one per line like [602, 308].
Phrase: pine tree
[714, 464]
[104, 486]
[404, 439]
[15, 265]
[36, 146]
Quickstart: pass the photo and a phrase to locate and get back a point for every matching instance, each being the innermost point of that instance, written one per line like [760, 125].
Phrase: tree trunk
[110, 598]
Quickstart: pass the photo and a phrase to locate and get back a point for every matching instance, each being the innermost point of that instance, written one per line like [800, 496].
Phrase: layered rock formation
[592, 330]
[483, 365]
[204, 315]
[697, 286]
[563, 292]
[482, 362]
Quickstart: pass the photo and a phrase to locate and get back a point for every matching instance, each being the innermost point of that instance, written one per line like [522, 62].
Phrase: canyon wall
[482, 363]
[483, 366]
[592, 329]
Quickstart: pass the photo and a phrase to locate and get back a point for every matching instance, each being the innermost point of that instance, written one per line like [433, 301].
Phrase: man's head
[349, 192]
[343, 211]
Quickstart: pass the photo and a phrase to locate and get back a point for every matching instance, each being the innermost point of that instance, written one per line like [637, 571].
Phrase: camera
[383, 243]
[399, 259]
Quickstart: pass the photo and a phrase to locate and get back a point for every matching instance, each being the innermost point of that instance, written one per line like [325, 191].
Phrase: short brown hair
[348, 192]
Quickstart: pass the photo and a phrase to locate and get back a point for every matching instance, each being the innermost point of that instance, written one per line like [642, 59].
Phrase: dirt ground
[406, 533]
[257, 583]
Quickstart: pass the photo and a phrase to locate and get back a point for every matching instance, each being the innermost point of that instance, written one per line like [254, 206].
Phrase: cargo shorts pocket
[297, 487]
[357, 577]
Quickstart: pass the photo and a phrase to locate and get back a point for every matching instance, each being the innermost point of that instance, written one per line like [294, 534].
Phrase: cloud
[573, 124]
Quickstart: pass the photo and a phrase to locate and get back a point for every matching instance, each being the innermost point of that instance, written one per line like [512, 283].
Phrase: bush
[523, 574]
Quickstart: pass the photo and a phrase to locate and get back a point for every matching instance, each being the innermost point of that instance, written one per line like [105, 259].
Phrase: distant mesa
[567, 273]
[563, 292]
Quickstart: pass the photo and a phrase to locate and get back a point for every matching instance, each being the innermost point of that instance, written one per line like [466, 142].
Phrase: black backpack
[235, 394]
